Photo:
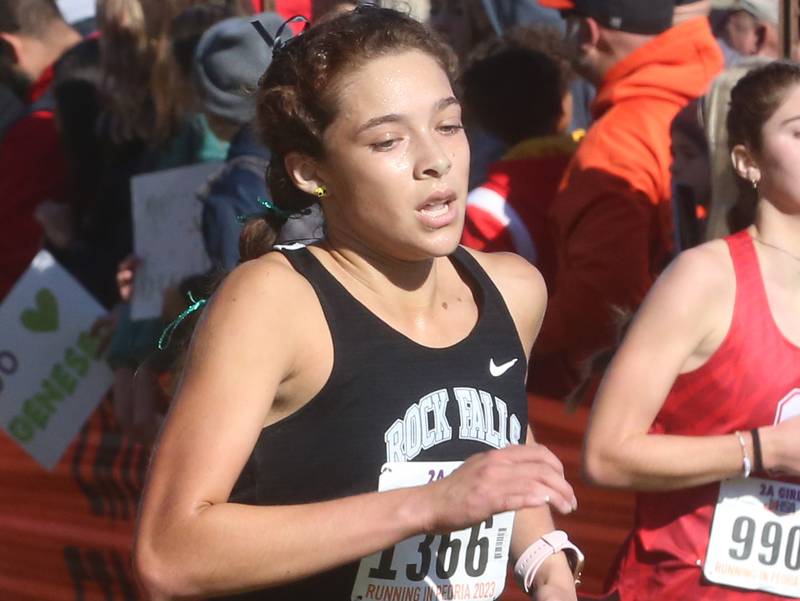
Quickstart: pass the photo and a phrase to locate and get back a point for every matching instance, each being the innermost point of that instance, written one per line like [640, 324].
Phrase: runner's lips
[437, 198]
[438, 210]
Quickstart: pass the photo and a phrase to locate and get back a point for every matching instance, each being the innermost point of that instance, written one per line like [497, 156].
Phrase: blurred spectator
[612, 218]
[72, 230]
[186, 30]
[707, 197]
[33, 35]
[184, 33]
[139, 135]
[159, 16]
[749, 27]
[518, 89]
[465, 25]
[691, 177]
[148, 125]
[230, 58]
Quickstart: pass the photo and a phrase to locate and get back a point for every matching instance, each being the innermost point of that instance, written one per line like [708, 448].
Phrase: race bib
[467, 564]
[755, 537]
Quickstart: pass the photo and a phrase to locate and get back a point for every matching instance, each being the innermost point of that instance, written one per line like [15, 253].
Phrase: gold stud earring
[320, 191]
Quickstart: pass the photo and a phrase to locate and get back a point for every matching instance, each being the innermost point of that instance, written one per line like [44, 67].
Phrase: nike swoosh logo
[499, 370]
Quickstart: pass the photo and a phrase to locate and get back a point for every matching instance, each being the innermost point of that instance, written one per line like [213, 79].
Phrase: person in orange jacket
[611, 220]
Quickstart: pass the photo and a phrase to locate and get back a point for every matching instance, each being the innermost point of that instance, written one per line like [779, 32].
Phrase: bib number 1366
[467, 564]
[446, 560]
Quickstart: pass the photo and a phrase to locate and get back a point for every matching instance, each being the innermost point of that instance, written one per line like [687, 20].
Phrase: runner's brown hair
[297, 98]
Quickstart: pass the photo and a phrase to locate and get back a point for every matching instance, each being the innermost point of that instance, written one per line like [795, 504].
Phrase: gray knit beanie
[229, 60]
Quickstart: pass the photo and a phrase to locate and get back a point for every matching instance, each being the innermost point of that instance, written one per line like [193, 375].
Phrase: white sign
[76, 10]
[167, 234]
[755, 537]
[51, 378]
[467, 564]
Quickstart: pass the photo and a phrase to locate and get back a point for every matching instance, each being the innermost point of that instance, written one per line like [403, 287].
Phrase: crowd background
[599, 173]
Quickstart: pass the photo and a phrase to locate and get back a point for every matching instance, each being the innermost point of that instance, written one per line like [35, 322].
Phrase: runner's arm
[554, 578]
[525, 294]
[679, 321]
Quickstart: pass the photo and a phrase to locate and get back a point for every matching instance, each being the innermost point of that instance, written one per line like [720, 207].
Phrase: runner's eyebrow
[394, 117]
[790, 120]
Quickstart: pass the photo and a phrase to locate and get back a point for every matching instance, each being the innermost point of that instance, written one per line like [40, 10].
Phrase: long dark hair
[754, 99]
[296, 98]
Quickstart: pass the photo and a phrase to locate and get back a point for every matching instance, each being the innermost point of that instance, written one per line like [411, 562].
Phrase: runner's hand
[513, 478]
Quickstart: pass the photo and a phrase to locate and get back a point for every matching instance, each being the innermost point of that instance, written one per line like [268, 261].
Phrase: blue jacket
[232, 192]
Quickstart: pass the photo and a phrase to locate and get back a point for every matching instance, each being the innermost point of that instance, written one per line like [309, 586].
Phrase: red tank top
[745, 384]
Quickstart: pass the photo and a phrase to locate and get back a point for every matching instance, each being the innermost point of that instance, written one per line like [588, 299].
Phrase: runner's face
[780, 155]
[397, 159]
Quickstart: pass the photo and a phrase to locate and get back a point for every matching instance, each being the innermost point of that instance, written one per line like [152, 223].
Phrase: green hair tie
[270, 208]
[166, 335]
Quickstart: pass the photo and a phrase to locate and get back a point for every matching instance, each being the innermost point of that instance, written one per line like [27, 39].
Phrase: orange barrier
[65, 535]
[604, 517]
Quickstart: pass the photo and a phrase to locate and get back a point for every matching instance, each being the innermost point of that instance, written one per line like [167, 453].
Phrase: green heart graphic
[44, 318]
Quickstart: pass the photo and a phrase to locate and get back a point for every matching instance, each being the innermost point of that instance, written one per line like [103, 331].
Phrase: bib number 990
[754, 543]
[768, 543]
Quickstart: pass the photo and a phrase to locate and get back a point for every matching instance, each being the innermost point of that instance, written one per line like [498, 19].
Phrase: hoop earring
[320, 192]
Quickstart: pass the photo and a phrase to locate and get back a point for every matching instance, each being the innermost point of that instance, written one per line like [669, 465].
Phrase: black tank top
[388, 398]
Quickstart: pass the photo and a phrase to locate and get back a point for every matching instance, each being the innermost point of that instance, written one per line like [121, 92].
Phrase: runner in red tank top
[706, 388]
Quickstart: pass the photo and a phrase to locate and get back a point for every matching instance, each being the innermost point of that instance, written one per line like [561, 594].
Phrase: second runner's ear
[744, 164]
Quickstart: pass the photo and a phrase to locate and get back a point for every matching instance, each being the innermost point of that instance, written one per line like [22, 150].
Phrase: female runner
[385, 358]
[706, 384]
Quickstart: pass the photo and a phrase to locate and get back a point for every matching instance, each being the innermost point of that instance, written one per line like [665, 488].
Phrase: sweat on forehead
[296, 96]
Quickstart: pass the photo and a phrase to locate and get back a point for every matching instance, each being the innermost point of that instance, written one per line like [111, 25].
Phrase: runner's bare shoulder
[703, 274]
[261, 301]
[522, 287]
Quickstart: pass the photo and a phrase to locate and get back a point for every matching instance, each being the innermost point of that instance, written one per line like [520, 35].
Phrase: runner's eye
[384, 145]
[450, 130]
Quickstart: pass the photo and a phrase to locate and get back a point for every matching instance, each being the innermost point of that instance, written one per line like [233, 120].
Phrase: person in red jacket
[705, 389]
[517, 88]
[612, 220]
[32, 166]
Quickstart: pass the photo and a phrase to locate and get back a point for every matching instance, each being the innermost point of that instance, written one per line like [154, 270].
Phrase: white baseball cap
[767, 11]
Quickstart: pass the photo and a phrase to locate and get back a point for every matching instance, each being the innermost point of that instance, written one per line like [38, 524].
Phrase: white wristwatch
[534, 556]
